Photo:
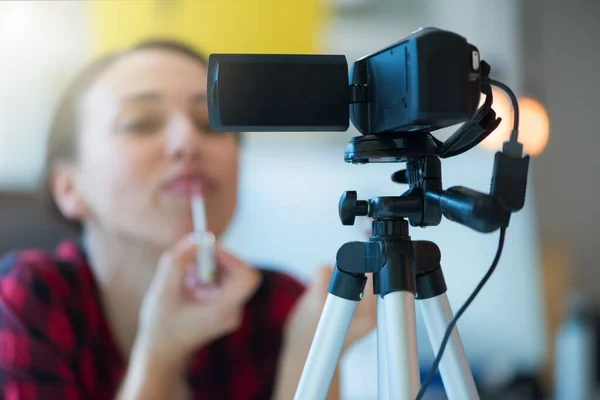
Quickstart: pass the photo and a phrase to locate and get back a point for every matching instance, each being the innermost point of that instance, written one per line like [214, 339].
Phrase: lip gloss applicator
[205, 263]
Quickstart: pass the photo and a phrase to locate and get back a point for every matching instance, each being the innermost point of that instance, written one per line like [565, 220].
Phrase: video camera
[395, 97]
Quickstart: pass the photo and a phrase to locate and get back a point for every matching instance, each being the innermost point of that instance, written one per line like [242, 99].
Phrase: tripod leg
[382, 365]
[401, 342]
[326, 348]
[454, 367]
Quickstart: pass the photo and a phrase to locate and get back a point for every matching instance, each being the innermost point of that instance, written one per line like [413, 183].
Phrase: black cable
[514, 135]
[452, 323]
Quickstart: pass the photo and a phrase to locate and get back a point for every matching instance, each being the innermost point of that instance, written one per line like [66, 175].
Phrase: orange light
[534, 125]
[534, 129]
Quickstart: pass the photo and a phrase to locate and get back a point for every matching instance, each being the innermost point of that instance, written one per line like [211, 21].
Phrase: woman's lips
[189, 186]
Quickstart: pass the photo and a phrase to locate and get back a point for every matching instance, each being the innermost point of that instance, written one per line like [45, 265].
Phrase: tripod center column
[396, 284]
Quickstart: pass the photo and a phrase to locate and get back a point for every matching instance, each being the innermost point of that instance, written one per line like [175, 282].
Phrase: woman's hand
[177, 317]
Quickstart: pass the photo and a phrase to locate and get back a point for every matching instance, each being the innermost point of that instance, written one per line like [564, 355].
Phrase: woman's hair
[63, 135]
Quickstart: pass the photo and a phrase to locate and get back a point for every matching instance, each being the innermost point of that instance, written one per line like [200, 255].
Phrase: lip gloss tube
[205, 262]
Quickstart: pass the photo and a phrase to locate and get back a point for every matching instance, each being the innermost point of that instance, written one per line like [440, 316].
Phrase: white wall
[42, 44]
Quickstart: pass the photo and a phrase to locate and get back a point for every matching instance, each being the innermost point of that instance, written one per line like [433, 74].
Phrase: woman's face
[146, 147]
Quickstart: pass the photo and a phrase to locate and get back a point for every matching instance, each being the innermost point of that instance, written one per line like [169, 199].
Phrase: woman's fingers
[227, 261]
[174, 264]
[205, 292]
[324, 276]
[238, 280]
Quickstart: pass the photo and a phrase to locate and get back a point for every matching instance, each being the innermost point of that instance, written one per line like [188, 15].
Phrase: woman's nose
[183, 141]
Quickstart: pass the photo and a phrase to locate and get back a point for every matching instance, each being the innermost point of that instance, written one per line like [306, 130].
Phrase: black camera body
[427, 81]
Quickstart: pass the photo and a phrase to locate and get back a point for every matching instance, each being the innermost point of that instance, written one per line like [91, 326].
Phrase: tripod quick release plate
[391, 147]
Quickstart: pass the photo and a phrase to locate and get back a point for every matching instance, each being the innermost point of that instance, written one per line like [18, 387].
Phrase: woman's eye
[142, 125]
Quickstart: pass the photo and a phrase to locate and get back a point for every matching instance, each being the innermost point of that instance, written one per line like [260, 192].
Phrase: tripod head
[424, 203]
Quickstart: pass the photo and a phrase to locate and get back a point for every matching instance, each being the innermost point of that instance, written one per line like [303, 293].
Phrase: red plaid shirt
[56, 344]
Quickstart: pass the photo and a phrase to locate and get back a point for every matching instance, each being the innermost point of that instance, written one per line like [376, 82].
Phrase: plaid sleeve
[36, 336]
[243, 365]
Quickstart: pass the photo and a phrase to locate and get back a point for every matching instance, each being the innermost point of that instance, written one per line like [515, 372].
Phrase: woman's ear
[66, 191]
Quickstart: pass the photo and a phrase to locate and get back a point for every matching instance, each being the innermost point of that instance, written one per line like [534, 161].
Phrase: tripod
[403, 270]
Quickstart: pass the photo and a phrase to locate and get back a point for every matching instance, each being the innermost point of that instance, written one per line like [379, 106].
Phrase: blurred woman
[115, 315]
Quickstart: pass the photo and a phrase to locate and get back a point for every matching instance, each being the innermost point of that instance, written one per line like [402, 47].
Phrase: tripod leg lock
[430, 284]
[430, 278]
[347, 285]
[360, 257]
[353, 260]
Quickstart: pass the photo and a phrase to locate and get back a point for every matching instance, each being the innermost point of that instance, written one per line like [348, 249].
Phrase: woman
[115, 316]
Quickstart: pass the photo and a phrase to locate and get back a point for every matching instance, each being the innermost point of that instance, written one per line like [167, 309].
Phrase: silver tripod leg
[383, 392]
[454, 367]
[326, 348]
[401, 345]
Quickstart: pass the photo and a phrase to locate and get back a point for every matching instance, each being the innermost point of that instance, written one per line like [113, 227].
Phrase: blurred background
[547, 51]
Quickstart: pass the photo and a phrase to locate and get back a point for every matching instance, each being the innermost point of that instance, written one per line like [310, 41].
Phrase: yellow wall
[257, 26]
